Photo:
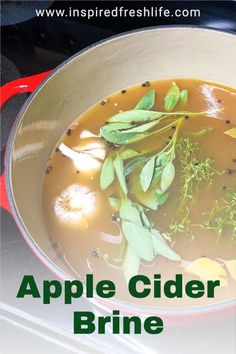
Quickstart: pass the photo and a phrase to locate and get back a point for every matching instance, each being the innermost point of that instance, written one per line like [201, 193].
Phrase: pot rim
[109, 303]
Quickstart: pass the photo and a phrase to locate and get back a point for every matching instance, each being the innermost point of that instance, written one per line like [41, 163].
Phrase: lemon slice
[207, 269]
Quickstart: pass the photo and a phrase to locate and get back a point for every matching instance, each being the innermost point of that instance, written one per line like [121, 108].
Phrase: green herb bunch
[150, 172]
[193, 173]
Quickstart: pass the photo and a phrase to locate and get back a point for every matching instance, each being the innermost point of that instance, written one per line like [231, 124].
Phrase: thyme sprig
[222, 217]
[193, 173]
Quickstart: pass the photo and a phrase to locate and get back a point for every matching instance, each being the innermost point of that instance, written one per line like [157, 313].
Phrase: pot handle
[4, 200]
[27, 84]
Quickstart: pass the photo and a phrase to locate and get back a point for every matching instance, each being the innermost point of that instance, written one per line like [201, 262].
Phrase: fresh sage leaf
[167, 176]
[147, 101]
[128, 154]
[145, 220]
[140, 239]
[136, 115]
[116, 137]
[183, 96]
[150, 202]
[114, 127]
[148, 199]
[147, 172]
[162, 248]
[131, 263]
[115, 203]
[131, 166]
[130, 128]
[119, 168]
[125, 132]
[108, 129]
[162, 159]
[141, 128]
[107, 174]
[130, 213]
[172, 97]
[161, 197]
[157, 176]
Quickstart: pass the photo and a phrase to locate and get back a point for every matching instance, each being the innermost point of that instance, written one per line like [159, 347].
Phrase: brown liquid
[78, 243]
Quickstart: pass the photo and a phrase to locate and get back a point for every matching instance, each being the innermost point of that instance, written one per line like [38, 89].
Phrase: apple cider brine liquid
[144, 182]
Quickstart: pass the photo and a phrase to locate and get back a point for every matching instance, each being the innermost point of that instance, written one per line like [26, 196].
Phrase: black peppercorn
[146, 84]
[114, 217]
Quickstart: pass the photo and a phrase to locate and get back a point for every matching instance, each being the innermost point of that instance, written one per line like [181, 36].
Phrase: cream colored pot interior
[110, 66]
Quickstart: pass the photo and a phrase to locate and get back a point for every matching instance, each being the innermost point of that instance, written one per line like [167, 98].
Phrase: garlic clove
[76, 205]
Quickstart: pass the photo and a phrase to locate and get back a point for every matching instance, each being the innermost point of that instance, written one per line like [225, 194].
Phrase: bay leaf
[147, 101]
[107, 174]
[172, 97]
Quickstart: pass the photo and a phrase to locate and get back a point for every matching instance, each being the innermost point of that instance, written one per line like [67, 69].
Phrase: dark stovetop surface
[39, 44]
